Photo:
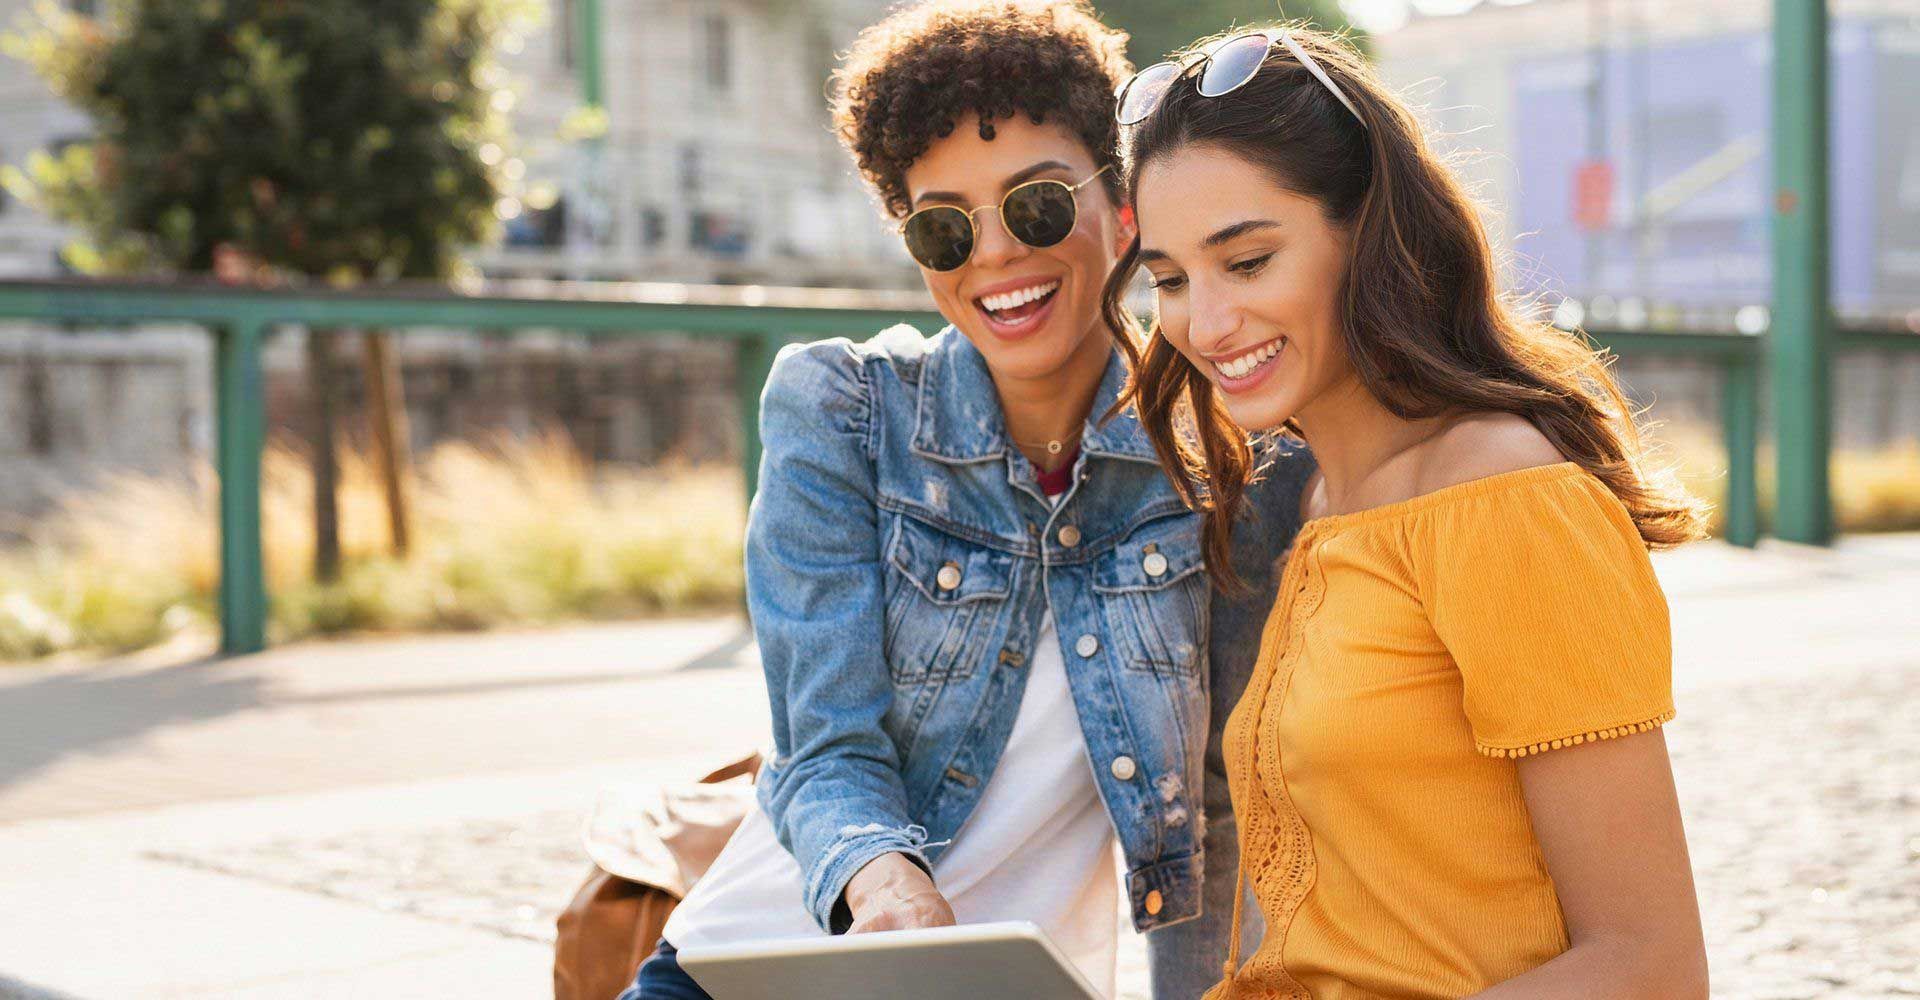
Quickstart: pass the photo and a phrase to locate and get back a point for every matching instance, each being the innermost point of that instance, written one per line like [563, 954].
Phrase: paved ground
[398, 818]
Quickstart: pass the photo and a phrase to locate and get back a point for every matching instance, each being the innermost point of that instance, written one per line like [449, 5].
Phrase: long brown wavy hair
[1425, 325]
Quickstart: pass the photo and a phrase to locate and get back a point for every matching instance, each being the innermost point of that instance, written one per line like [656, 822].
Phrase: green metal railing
[757, 321]
[1738, 357]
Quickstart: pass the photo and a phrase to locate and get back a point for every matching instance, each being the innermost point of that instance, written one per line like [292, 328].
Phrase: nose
[994, 247]
[1212, 318]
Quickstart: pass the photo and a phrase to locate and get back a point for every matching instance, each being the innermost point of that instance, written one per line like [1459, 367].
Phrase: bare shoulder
[1478, 445]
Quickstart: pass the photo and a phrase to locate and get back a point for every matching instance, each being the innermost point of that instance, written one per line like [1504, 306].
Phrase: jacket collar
[958, 417]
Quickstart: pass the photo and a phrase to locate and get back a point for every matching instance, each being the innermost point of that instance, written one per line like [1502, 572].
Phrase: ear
[1125, 232]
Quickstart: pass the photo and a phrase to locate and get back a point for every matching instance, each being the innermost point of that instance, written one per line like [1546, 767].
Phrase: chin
[1036, 358]
[1257, 417]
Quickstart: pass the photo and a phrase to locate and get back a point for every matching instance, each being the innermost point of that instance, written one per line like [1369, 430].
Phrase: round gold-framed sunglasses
[1038, 213]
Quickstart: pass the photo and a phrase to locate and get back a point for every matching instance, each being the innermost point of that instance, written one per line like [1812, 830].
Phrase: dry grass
[1877, 491]
[1872, 490]
[513, 531]
[522, 531]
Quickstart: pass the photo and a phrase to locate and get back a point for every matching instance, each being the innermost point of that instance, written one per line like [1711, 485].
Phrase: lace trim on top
[1273, 838]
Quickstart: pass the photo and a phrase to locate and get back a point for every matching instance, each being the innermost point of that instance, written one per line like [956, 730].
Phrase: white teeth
[1244, 365]
[1010, 300]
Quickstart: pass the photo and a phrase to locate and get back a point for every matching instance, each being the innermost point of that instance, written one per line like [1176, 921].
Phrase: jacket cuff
[827, 883]
[1168, 892]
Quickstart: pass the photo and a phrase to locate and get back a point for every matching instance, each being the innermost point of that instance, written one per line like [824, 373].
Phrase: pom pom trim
[1569, 741]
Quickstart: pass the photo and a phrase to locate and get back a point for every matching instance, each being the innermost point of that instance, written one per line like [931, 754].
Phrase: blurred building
[1625, 146]
[31, 118]
[717, 165]
[1622, 154]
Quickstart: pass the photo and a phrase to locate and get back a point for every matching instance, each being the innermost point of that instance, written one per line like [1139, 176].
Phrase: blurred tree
[1159, 27]
[341, 140]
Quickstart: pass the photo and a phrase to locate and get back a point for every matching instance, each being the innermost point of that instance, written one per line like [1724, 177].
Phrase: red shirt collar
[1056, 482]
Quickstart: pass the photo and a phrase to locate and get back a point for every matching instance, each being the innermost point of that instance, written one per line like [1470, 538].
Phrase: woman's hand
[893, 894]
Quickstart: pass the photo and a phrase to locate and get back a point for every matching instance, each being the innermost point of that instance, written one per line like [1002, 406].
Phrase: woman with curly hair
[982, 611]
[1447, 768]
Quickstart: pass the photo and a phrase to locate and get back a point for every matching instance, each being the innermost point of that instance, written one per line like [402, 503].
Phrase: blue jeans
[1184, 961]
[661, 978]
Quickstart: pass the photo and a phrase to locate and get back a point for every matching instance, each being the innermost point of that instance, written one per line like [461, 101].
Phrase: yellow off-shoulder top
[1415, 651]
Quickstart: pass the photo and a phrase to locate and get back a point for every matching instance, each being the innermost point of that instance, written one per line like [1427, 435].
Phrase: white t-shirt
[1038, 847]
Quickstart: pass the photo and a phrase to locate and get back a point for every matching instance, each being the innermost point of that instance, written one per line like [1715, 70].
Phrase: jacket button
[1087, 645]
[1154, 902]
[1155, 564]
[1123, 768]
[948, 577]
[1069, 536]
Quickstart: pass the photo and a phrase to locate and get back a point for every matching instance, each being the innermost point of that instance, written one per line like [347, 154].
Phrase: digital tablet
[1008, 960]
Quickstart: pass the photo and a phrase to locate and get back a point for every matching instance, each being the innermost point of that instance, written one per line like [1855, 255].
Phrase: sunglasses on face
[1224, 68]
[1038, 213]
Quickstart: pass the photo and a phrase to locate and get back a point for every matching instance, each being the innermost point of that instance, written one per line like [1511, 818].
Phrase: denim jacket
[900, 556]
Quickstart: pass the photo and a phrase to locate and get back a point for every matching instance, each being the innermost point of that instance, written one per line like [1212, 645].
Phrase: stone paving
[1802, 806]
[506, 876]
[1797, 754]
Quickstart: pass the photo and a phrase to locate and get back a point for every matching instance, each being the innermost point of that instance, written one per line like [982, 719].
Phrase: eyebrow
[1012, 181]
[1219, 237]
[1235, 231]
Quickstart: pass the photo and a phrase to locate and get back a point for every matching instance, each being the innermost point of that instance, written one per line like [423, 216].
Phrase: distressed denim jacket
[900, 556]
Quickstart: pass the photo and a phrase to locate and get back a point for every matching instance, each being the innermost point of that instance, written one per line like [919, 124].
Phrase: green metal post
[1740, 413]
[1802, 314]
[586, 53]
[586, 211]
[752, 363]
[241, 406]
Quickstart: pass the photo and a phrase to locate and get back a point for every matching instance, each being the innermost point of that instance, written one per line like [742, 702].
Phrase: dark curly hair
[910, 78]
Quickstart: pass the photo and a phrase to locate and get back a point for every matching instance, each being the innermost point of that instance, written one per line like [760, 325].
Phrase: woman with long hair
[988, 637]
[1447, 768]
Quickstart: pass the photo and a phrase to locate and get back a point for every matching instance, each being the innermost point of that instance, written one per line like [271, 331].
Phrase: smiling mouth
[1242, 366]
[1010, 308]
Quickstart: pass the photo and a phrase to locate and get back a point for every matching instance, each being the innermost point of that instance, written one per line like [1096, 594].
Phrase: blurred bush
[510, 531]
[337, 139]
[524, 531]
[1872, 490]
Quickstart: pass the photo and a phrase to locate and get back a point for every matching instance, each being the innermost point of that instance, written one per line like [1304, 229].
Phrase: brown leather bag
[649, 845]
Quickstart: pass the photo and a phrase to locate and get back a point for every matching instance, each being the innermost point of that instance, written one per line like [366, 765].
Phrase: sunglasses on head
[1038, 213]
[1223, 68]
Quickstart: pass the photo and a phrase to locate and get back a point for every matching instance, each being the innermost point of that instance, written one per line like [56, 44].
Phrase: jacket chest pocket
[945, 596]
[1156, 596]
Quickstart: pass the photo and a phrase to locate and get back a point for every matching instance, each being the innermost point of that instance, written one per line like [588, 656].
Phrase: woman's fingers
[927, 908]
[893, 893]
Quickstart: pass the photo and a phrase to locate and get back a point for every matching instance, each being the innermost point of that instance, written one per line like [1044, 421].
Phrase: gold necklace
[1053, 447]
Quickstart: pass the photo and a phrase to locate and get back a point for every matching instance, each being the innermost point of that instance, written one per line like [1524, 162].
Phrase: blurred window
[653, 226]
[721, 234]
[820, 61]
[692, 164]
[542, 228]
[1679, 137]
[563, 33]
[717, 43]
